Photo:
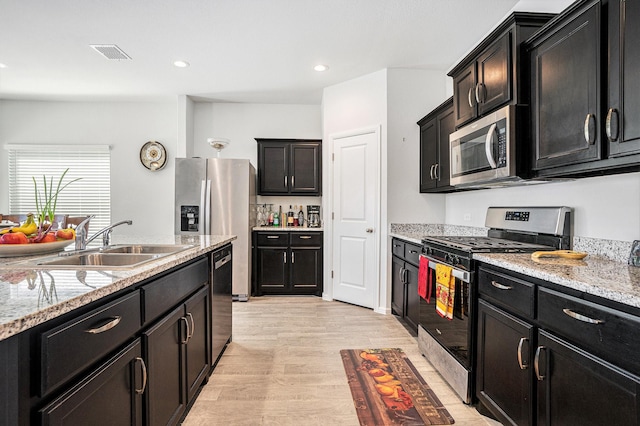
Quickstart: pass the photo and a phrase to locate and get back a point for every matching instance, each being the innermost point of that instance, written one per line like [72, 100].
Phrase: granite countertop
[595, 275]
[286, 228]
[30, 296]
[601, 273]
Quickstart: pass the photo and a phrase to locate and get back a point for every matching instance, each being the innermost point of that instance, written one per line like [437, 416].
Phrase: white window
[89, 195]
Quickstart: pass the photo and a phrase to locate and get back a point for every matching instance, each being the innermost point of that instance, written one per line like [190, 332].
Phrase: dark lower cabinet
[577, 388]
[551, 366]
[504, 373]
[405, 301]
[177, 353]
[110, 395]
[288, 263]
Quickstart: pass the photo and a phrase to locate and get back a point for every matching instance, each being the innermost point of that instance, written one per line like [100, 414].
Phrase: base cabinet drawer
[110, 395]
[72, 347]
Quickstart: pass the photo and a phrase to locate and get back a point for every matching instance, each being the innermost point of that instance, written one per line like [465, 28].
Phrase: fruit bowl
[32, 249]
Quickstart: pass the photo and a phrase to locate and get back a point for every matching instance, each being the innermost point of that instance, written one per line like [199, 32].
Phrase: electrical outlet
[467, 217]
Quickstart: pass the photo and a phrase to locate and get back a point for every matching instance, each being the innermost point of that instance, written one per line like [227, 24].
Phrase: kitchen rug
[388, 390]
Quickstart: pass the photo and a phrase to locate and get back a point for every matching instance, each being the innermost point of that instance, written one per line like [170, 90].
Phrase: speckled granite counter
[594, 275]
[31, 296]
[414, 232]
[285, 228]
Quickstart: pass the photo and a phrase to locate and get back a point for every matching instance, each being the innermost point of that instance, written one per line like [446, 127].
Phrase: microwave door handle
[488, 146]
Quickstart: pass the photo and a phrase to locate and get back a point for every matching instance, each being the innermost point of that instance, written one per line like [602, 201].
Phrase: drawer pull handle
[523, 366]
[143, 367]
[193, 326]
[536, 363]
[188, 333]
[273, 237]
[305, 237]
[108, 326]
[581, 317]
[397, 245]
[501, 286]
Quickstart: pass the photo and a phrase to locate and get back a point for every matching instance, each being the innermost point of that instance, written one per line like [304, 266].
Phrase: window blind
[89, 195]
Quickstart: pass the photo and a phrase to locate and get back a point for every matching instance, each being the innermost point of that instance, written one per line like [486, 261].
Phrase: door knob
[369, 230]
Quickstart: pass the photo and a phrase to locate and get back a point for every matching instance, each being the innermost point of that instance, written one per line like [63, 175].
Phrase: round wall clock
[153, 155]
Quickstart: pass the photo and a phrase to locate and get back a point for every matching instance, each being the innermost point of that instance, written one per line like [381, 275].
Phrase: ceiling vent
[110, 51]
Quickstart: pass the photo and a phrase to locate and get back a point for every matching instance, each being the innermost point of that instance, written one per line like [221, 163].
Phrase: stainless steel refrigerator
[217, 196]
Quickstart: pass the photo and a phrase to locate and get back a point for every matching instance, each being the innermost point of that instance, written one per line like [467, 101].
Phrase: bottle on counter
[300, 217]
[276, 219]
[290, 216]
[295, 216]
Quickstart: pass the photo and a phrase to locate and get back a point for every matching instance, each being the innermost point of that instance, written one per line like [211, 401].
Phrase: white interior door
[355, 208]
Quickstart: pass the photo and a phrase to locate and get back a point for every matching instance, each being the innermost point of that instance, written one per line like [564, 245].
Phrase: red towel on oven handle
[424, 278]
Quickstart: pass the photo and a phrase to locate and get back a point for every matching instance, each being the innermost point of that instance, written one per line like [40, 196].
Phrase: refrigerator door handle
[207, 209]
[203, 206]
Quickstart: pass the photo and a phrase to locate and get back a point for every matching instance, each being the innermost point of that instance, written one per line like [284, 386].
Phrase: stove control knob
[447, 258]
[455, 260]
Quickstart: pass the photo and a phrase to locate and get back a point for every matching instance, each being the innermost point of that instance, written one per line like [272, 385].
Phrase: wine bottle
[300, 217]
[290, 216]
[276, 219]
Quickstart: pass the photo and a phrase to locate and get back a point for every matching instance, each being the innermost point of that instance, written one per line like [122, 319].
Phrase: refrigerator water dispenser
[189, 218]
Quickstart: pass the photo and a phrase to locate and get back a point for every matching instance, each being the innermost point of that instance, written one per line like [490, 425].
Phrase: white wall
[136, 193]
[242, 123]
[411, 94]
[605, 207]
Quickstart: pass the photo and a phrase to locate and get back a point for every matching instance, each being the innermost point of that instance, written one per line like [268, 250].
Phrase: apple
[14, 238]
[66, 234]
[49, 238]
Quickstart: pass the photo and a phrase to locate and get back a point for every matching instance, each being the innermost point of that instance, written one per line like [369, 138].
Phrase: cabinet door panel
[501, 384]
[579, 389]
[624, 63]
[446, 125]
[105, 397]
[165, 396]
[305, 174]
[412, 314]
[305, 270]
[464, 95]
[494, 75]
[397, 286]
[272, 270]
[273, 168]
[428, 154]
[565, 73]
[197, 348]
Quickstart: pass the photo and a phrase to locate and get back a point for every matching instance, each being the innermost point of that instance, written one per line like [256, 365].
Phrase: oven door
[454, 335]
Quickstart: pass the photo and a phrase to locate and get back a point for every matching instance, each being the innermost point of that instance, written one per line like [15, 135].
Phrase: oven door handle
[465, 276]
[488, 145]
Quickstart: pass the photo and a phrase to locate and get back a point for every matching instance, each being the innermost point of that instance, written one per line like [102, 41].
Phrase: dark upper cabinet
[622, 122]
[289, 166]
[565, 90]
[489, 76]
[435, 129]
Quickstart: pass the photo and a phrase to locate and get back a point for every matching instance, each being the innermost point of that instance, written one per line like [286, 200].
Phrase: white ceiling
[259, 51]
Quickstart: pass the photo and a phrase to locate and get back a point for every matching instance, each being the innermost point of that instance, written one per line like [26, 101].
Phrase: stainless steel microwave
[483, 152]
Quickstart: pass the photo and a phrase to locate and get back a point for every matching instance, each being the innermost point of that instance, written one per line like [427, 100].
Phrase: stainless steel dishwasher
[221, 302]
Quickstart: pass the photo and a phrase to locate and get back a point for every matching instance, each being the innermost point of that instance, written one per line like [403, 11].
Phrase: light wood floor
[284, 367]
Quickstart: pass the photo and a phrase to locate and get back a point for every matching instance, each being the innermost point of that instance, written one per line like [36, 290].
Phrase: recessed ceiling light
[321, 67]
[3, 66]
[181, 64]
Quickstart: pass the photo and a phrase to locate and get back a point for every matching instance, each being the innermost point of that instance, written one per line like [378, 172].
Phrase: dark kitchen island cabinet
[435, 129]
[490, 75]
[289, 167]
[287, 262]
[549, 357]
[137, 356]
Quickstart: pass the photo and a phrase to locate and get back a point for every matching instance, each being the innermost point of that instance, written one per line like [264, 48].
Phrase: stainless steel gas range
[450, 344]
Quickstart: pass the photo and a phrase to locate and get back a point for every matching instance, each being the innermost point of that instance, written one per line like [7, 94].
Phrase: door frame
[328, 204]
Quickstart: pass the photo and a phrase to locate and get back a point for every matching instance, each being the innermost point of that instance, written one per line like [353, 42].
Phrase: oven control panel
[519, 216]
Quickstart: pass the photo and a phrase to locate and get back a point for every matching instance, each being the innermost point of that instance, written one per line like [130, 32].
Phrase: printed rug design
[388, 390]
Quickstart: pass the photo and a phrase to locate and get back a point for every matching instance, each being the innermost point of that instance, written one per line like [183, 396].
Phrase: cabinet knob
[143, 368]
[523, 366]
[611, 124]
[590, 129]
[480, 93]
[369, 230]
[469, 97]
[536, 363]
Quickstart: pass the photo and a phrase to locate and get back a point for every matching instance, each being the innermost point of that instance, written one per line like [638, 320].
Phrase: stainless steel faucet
[81, 233]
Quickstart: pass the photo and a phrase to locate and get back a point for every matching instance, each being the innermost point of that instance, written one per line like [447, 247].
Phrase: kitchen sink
[146, 248]
[112, 257]
[99, 259]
